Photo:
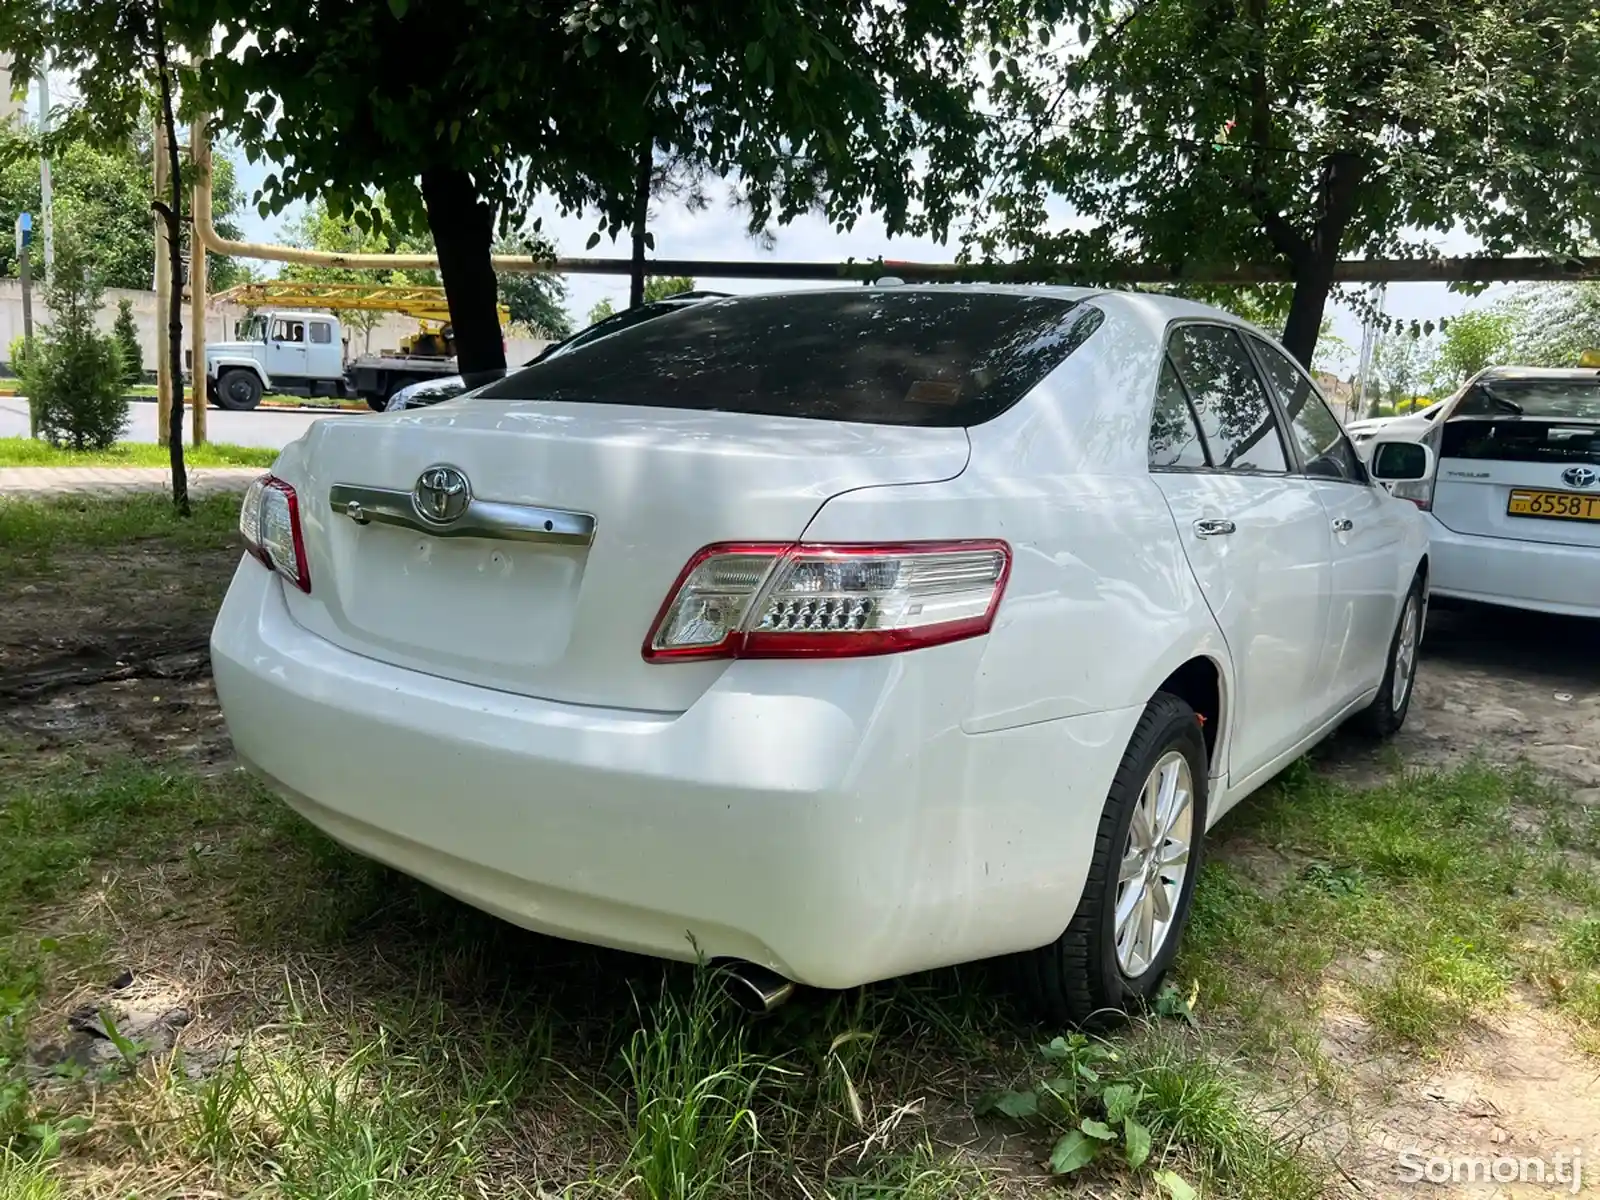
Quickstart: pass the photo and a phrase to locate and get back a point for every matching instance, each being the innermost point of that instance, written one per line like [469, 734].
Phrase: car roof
[1572, 374]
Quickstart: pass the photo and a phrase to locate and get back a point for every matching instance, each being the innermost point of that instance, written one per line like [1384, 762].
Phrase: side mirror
[1401, 462]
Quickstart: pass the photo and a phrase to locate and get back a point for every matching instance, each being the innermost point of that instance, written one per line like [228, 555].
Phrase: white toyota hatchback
[1514, 507]
[843, 633]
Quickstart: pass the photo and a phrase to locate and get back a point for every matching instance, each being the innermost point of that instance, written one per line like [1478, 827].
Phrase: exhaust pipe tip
[756, 989]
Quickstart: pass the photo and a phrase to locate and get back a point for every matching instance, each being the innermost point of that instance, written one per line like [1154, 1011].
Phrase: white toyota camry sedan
[838, 634]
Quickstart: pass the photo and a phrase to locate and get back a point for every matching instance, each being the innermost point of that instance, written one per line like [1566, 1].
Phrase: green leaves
[1174, 1185]
[1017, 1105]
[1098, 1130]
[1073, 1151]
[1097, 1103]
[398, 8]
[1135, 1144]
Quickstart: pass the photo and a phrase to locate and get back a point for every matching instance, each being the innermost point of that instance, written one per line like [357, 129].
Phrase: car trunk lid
[565, 619]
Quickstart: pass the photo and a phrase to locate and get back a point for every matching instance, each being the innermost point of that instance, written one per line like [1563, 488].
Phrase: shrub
[17, 355]
[127, 335]
[74, 375]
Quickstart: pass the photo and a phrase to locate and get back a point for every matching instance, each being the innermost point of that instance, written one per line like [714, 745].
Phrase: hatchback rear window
[901, 356]
[1572, 399]
[1521, 439]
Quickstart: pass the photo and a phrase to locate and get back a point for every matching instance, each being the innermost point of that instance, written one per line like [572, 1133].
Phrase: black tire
[376, 402]
[1078, 978]
[238, 391]
[1386, 714]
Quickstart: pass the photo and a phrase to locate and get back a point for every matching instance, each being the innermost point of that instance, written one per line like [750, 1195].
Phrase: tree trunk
[174, 219]
[641, 218]
[463, 230]
[1313, 282]
[1337, 188]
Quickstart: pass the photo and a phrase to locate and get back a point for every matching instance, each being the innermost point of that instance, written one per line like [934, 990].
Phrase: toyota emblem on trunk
[441, 495]
[1580, 476]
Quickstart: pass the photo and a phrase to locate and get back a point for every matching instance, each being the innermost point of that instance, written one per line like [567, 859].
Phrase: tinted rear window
[1560, 398]
[1521, 439]
[911, 356]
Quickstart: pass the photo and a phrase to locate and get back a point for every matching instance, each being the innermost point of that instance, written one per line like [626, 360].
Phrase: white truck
[303, 354]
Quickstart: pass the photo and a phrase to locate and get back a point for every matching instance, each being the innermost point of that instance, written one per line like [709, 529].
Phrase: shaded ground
[1376, 971]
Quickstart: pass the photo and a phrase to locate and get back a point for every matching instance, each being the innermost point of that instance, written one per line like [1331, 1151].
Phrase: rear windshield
[1521, 439]
[902, 356]
[1577, 399]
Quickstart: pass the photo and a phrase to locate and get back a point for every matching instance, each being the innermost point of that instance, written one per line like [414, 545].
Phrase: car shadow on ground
[1482, 638]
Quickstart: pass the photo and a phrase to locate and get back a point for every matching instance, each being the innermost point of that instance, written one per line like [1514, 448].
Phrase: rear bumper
[830, 821]
[1538, 576]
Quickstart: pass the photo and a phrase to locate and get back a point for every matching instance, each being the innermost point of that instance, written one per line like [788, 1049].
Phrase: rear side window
[1235, 416]
[892, 356]
[321, 333]
[1175, 442]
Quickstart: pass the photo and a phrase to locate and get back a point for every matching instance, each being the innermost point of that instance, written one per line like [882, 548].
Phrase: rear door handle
[1213, 527]
[1343, 525]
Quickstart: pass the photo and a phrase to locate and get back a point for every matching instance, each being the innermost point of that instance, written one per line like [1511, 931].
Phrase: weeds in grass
[1158, 1105]
[26, 1178]
[692, 1086]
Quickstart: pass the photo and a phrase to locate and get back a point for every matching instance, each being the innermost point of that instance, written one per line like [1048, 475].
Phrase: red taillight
[269, 519]
[765, 600]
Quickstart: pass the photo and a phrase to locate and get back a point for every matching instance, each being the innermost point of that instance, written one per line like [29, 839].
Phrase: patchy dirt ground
[104, 654]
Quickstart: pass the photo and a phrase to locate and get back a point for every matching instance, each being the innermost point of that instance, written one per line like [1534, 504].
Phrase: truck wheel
[238, 391]
[376, 402]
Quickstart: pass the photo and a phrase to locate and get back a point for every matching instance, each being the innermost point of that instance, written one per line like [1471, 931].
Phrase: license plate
[1561, 506]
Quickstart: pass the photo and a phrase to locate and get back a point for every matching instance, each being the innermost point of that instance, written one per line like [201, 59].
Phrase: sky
[718, 233]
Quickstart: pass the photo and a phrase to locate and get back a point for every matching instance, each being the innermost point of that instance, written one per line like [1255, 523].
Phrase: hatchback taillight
[269, 519]
[762, 600]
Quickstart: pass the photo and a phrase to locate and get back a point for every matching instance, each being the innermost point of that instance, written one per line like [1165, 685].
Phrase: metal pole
[27, 326]
[164, 285]
[200, 165]
[46, 205]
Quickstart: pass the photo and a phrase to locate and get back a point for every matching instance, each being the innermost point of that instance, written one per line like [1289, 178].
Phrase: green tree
[103, 195]
[1474, 340]
[126, 334]
[1553, 324]
[74, 375]
[124, 55]
[104, 192]
[1403, 365]
[815, 107]
[601, 310]
[1198, 133]
[319, 228]
[659, 287]
[536, 301]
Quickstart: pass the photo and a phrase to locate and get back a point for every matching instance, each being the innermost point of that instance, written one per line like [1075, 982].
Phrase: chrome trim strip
[482, 519]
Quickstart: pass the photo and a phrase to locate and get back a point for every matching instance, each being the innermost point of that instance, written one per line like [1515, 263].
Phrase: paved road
[263, 427]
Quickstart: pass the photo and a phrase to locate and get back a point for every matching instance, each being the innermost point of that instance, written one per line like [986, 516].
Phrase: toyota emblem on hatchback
[441, 495]
[1580, 476]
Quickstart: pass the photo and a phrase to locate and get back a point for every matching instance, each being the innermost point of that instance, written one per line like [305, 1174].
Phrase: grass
[358, 1035]
[33, 531]
[28, 452]
[1419, 903]
[403, 1045]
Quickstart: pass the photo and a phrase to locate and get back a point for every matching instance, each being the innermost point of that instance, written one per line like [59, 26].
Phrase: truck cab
[301, 353]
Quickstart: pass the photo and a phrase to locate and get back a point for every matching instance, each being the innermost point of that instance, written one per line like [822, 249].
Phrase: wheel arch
[1203, 681]
[224, 365]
